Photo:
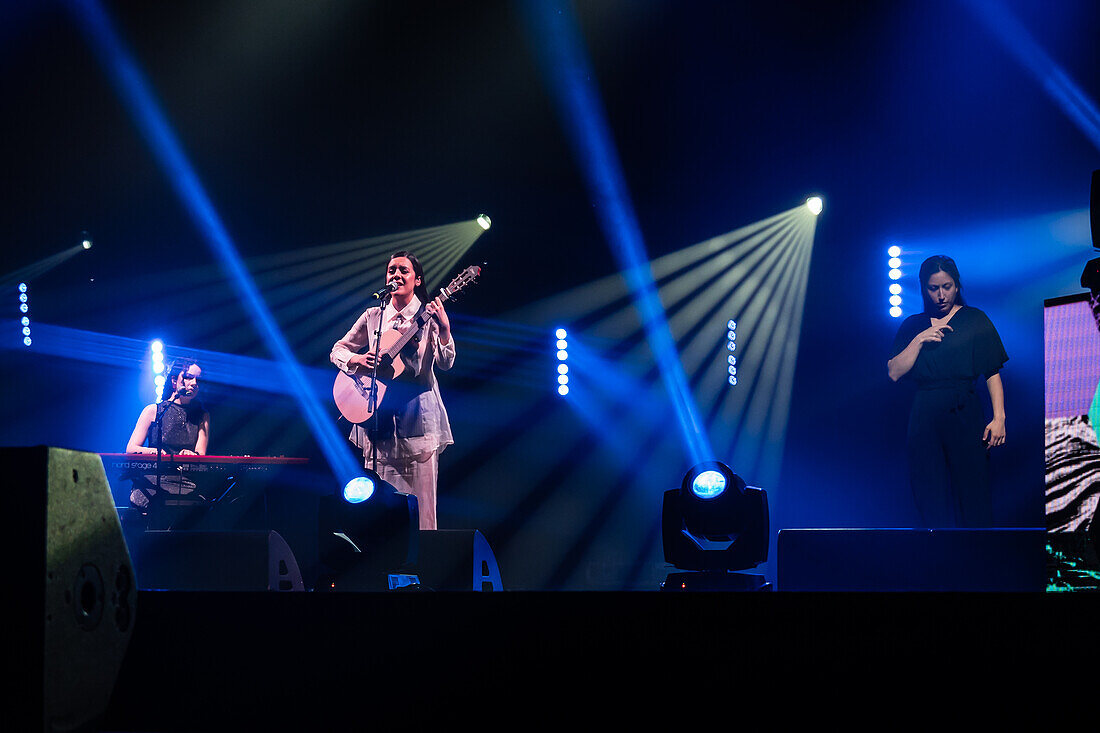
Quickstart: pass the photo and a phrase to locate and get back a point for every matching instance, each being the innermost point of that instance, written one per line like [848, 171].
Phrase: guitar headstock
[463, 280]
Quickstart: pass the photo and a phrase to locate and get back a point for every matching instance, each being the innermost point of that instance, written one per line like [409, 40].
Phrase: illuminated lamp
[368, 533]
[712, 526]
[484, 221]
[815, 204]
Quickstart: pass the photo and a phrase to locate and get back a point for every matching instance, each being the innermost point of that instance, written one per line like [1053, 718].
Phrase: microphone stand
[372, 400]
[160, 443]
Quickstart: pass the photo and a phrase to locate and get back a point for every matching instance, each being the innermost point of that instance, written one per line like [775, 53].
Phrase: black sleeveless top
[180, 424]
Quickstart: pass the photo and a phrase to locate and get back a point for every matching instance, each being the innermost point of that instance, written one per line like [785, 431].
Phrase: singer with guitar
[408, 428]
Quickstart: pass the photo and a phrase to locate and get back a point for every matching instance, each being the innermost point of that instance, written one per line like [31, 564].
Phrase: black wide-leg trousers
[948, 461]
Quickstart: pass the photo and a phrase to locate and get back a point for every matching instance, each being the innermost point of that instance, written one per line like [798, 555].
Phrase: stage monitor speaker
[215, 561]
[911, 560]
[71, 582]
[457, 559]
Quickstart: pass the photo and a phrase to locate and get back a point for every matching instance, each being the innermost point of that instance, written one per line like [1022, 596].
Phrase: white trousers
[416, 478]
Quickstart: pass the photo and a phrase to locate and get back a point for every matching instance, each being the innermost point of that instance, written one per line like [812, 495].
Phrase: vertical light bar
[894, 273]
[562, 347]
[156, 364]
[25, 310]
[731, 346]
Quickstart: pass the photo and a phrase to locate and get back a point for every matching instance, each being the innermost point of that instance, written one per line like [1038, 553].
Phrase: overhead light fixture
[484, 221]
[815, 204]
[712, 526]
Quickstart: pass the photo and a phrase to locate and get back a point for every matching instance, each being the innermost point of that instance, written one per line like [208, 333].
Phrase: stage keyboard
[142, 463]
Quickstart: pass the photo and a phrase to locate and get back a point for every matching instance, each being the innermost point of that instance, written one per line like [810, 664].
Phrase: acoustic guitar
[358, 396]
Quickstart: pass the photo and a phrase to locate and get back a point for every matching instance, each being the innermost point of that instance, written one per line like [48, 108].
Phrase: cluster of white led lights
[563, 356]
[731, 346]
[24, 309]
[894, 253]
[156, 348]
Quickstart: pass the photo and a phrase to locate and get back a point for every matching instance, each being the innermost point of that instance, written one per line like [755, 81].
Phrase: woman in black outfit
[943, 350]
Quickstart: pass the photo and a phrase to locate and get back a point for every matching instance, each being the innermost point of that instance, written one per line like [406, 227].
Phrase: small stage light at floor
[484, 221]
[366, 531]
[708, 484]
[815, 204]
[712, 525]
[359, 489]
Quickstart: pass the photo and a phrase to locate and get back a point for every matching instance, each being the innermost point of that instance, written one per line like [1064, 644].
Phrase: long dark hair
[928, 268]
[421, 290]
[179, 366]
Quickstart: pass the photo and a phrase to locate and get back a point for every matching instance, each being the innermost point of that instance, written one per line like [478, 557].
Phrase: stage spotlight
[895, 289]
[85, 240]
[894, 251]
[895, 274]
[708, 484]
[815, 204]
[367, 531]
[716, 524]
[358, 489]
[895, 312]
[484, 222]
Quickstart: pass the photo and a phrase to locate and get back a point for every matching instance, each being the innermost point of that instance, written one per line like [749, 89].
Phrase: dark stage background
[327, 122]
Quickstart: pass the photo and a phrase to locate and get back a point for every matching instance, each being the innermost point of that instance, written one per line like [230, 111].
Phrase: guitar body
[352, 394]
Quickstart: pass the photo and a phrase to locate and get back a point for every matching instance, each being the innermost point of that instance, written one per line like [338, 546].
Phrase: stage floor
[232, 661]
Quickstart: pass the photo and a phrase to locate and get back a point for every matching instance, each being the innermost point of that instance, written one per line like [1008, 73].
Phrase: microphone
[390, 287]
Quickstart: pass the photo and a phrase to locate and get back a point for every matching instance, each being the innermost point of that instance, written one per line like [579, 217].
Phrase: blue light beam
[566, 68]
[135, 92]
[1056, 82]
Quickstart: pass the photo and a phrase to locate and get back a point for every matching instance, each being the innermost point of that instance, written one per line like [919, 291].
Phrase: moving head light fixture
[712, 525]
[368, 534]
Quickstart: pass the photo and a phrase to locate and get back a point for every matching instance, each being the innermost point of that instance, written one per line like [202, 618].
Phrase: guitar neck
[418, 322]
